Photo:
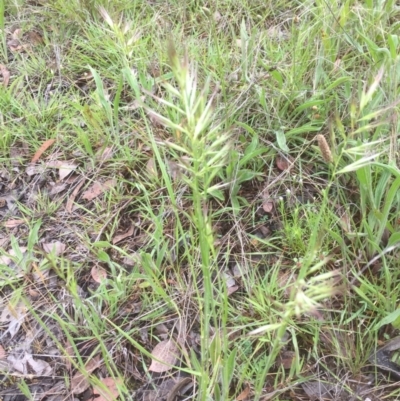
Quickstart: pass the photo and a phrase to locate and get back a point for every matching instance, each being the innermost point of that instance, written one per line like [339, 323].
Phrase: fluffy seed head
[324, 147]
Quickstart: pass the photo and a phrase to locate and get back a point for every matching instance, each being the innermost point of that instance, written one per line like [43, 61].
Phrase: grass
[203, 120]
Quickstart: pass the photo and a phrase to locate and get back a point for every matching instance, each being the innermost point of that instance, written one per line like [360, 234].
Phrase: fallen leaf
[336, 64]
[232, 289]
[97, 189]
[217, 16]
[105, 154]
[174, 170]
[16, 33]
[39, 366]
[110, 393]
[19, 151]
[70, 203]
[285, 359]
[34, 38]
[282, 162]
[268, 207]
[14, 45]
[98, 274]
[33, 169]
[165, 355]
[244, 394]
[6, 75]
[34, 294]
[65, 168]
[43, 147]
[120, 237]
[57, 188]
[5, 260]
[79, 382]
[56, 247]
[15, 315]
[3, 241]
[3, 352]
[229, 280]
[13, 223]
[151, 167]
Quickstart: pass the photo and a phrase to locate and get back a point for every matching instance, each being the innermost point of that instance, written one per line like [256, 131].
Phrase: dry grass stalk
[324, 147]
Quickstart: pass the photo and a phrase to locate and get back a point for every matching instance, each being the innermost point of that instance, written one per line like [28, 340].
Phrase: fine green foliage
[220, 223]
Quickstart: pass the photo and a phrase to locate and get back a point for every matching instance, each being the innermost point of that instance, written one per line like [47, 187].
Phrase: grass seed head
[324, 147]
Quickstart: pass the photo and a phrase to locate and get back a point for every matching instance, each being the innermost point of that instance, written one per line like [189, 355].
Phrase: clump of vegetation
[199, 201]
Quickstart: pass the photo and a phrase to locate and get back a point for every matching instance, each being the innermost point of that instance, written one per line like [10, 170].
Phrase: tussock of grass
[248, 141]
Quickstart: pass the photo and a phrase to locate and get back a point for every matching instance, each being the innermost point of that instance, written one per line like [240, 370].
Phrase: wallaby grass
[196, 129]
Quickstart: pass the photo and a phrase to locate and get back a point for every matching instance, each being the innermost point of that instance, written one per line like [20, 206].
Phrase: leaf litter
[97, 189]
[164, 356]
[109, 391]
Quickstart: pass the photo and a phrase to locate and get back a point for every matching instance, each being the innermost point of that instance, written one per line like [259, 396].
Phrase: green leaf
[391, 318]
[303, 129]
[103, 256]
[216, 193]
[394, 239]
[102, 244]
[281, 139]
[365, 161]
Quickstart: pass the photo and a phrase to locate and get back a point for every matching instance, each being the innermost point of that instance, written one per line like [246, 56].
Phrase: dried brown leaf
[111, 392]
[120, 237]
[5, 260]
[39, 366]
[98, 274]
[79, 382]
[6, 75]
[105, 154]
[244, 394]
[69, 351]
[43, 147]
[65, 169]
[14, 45]
[13, 223]
[286, 358]
[57, 188]
[70, 203]
[232, 289]
[33, 169]
[34, 38]
[268, 206]
[97, 189]
[25, 364]
[16, 33]
[283, 163]
[57, 247]
[151, 167]
[15, 315]
[165, 355]
[3, 352]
